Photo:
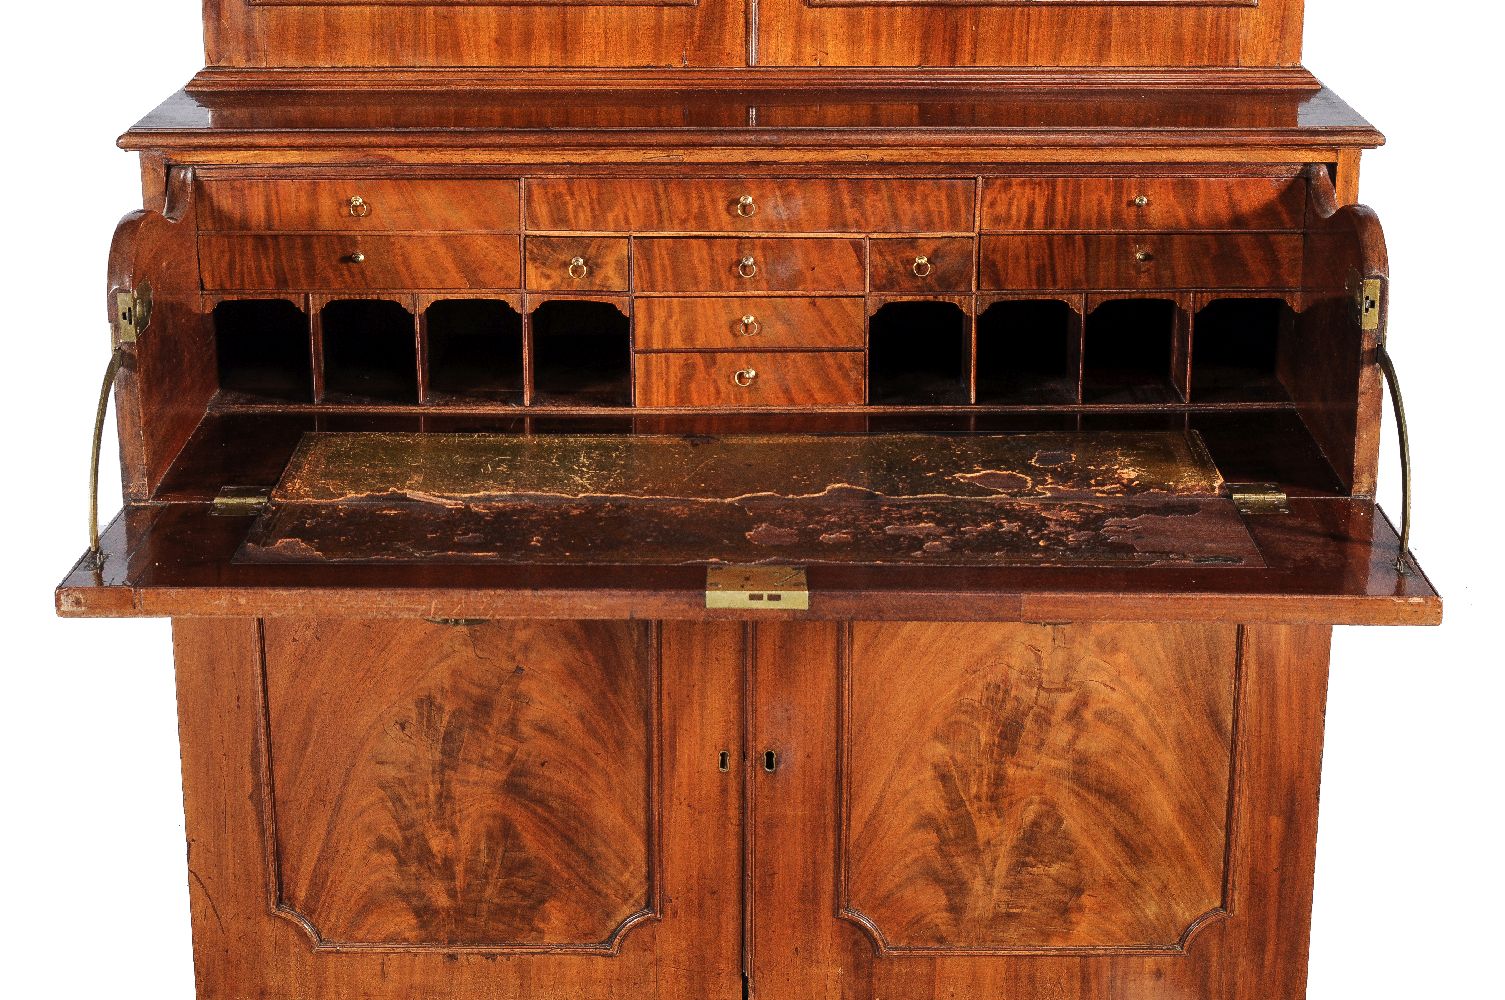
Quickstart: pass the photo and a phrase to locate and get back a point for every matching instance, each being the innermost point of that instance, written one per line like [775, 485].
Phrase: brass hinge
[1259, 498]
[1367, 302]
[762, 588]
[133, 313]
[239, 501]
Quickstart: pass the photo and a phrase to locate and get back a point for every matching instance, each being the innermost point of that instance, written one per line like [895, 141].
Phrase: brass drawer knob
[1141, 201]
[1143, 255]
[746, 207]
[747, 267]
[578, 268]
[745, 377]
[749, 326]
[355, 258]
[922, 267]
[359, 207]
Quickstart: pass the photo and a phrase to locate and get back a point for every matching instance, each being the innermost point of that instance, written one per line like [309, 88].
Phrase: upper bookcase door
[1015, 33]
[476, 33]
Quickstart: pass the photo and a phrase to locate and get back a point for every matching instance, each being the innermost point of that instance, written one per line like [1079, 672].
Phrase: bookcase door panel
[1070, 811]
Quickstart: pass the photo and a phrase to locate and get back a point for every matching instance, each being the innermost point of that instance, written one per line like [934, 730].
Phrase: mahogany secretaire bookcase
[794, 499]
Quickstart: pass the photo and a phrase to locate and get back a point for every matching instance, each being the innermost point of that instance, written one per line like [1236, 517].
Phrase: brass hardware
[770, 761]
[745, 377]
[746, 207]
[747, 267]
[133, 313]
[1367, 301]
[360, 208]
[1259, 498]
[922, 267]
[765, 588]
[1143, 255]
[117, 361]
[355, 258]
[457, 622]
[1141, 201]
[749, 327]
[578, 268]
[724, 762]
[239, 501]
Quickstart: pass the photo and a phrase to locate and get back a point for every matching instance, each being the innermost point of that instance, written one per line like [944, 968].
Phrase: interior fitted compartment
[918, 354]
[370, 352]
[1127, 352]
[582, 354]
[474, 351]
[1028, 352]
[263, 350]
[1237, 344]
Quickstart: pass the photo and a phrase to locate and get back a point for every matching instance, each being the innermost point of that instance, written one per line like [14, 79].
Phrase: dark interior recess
[1127, 351]
[475, 351]
[1236, 350]
[918, 354]
[370, 352]
[264, 350]
[1027, 352]
[582, 354]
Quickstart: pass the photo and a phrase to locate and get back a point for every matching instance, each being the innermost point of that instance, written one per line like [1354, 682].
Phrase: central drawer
[751, 379]
[740, 324]
[750, 205]
[750, 265]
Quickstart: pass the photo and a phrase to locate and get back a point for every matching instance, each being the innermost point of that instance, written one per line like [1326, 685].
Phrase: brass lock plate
[758, 588]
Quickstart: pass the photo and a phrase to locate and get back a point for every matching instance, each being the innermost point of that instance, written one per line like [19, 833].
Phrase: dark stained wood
[739, 379]
[551, 263]
[359, 261]
[722, 324]
[749, 265]
[385, 205]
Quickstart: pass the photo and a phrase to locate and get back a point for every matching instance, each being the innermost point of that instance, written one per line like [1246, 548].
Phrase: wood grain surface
[386, 205]
[359, 261]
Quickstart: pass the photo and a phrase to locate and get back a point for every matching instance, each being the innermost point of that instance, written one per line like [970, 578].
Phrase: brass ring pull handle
[922, 267]
[746, 207]
[745, 377]
[355, 258]
[749, 326]
[117, 361]
[578, 268]
[359, 207]
[747, 267]
[1142, 201]
[1144, 256]
[1387, 367]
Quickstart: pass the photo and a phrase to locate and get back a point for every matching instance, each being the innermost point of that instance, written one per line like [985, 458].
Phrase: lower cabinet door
[399, 809]
[1007, 810]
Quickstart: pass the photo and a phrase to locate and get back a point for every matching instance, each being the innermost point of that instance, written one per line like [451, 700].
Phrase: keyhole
[726, 761]
[770, 761]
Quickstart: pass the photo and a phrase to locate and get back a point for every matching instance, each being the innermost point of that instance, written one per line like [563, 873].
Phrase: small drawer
[750, 205]
[1021, 204]
[359, 262]
[1146, 260]
[359, 205]
[922, 264]
[577, 263]
[750, 265]
[740, 324]
[792, 378]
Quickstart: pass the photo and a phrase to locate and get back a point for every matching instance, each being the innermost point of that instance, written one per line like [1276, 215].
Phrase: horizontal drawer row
[749, 265]
[754, 205]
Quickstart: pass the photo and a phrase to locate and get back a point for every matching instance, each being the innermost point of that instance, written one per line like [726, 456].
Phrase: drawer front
[584, 263]
[747, 265]
[921, 264]
[1014, 204]
[359, 262]
[741, 324]
[360, 205]
[1146, 260]
[794, 378]
[750, 205]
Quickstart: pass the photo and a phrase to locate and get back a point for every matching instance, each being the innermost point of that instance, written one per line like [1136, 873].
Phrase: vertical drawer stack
[749, 292]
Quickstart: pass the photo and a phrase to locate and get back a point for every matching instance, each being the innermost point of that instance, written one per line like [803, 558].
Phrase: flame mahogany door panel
[400, 809]
[1005, 810]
